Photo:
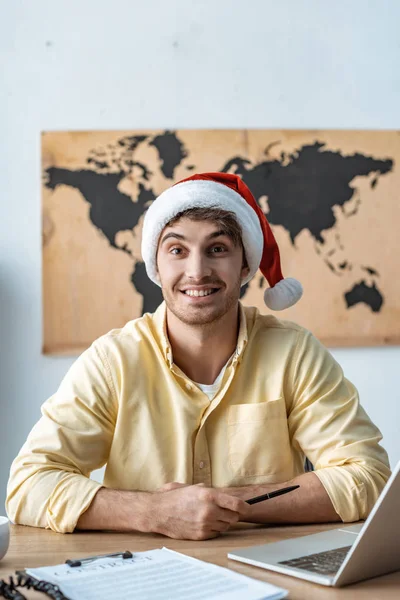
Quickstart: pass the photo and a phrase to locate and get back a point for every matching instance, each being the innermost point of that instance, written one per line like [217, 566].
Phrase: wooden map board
[332, 198]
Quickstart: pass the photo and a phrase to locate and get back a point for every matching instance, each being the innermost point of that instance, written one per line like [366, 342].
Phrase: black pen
[272, 494]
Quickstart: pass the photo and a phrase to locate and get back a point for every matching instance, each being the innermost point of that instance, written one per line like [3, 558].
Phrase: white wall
[95, 64]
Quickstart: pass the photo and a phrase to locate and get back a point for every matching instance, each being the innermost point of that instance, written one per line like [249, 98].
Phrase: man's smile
[195, 292]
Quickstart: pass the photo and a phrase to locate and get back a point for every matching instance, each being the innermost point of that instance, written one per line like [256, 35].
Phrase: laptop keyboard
[325, 563]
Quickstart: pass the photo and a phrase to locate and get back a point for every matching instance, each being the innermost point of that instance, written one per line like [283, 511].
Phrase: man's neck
[202, 351]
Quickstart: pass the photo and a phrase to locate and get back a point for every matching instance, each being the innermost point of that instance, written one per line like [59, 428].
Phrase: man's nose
[198, 266]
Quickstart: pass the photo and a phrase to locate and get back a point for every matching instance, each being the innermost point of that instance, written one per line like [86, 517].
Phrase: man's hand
[194, 512]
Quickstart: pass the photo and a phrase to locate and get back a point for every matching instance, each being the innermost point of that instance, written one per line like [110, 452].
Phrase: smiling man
[204, 403]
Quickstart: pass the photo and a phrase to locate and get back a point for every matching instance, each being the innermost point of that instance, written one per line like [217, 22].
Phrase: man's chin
[197, 315]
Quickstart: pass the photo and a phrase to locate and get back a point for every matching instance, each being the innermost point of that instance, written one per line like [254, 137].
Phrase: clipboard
[161, 573]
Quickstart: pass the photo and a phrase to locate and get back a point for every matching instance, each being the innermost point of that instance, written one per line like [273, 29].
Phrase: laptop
[339, 556]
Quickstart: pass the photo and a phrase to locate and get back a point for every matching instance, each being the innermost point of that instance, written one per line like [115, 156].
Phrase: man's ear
[245, 265]
[245, 271]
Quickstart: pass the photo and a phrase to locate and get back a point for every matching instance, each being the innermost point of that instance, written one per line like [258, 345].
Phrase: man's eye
[175, 251]
[217, 249]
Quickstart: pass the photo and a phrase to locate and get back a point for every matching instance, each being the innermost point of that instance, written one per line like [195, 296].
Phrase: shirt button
[188, 386]
[202, 464]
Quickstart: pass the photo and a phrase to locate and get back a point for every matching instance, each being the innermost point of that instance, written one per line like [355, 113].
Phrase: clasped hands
[195, 512]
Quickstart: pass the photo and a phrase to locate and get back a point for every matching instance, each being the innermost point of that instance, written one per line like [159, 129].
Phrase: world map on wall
[298, 191]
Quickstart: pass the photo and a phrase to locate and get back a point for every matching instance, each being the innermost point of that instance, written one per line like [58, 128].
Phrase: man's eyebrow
[172, 234]
[216, 234]
[179, 236]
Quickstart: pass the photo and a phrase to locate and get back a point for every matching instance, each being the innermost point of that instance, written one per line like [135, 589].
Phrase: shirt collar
[243, 336]
[160, 322]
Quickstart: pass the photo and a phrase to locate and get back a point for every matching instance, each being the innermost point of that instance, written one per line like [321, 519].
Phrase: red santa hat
[227, 192]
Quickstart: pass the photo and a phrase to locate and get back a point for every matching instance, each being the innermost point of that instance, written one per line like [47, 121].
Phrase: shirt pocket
[258, 438]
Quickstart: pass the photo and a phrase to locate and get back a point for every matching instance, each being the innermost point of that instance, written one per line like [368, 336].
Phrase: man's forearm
[179, 511]
[117, 510]
[310, 503]
[121, 510]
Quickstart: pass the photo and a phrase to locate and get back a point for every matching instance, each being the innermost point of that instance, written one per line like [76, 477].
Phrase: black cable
[10, 592]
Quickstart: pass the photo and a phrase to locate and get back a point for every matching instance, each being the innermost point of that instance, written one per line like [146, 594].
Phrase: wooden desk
[37, 547]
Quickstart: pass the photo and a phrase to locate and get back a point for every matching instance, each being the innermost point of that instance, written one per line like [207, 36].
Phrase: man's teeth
[198, 292]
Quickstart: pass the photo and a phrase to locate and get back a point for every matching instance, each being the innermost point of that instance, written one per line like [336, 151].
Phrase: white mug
[4, 536]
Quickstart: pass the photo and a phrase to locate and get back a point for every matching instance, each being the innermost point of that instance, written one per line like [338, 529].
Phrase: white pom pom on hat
[227, 192]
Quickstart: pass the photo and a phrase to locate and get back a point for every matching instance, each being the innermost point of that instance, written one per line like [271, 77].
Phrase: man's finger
[226, 516]
[221, 526]
[232, 503]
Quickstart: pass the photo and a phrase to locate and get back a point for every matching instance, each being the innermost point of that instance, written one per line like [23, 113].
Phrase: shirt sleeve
[327, 423]
[49, 484]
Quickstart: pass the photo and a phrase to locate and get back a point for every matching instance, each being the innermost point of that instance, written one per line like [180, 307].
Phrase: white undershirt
[212, 389]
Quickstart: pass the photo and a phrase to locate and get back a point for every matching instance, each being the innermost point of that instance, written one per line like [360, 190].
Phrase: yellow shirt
[125, 403]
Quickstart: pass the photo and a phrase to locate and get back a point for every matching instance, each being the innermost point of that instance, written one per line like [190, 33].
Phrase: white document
[159, 574]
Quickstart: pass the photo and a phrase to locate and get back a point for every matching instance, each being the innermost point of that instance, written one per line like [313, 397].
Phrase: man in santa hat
[205, 403]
